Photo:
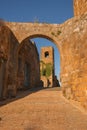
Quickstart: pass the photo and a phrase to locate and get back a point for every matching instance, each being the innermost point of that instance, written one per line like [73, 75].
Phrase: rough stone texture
[80, 7]
[74, 73]
[8, 64]
[11, 51]
[71, 40]
[29, 66]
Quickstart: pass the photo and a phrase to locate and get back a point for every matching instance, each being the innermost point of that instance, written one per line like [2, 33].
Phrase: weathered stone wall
[27, 53]
[8, 48]
[80, 7]
[71, 40]
[74, 60]
[9, 76]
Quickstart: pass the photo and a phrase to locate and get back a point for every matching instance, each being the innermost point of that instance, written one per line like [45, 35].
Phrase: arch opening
[46, 54]
[44, 41]
[51, 69]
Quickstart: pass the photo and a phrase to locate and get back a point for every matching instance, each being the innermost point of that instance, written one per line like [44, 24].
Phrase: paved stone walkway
[41, 110]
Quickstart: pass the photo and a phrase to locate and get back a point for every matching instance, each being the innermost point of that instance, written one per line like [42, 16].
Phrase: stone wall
[47, 66]
[29, 66]
[74, 60]
[71, 40]
[8, 64]
[19, 64]
[80, 7]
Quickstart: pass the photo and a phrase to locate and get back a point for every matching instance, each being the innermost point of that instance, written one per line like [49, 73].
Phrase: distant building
[47, 68]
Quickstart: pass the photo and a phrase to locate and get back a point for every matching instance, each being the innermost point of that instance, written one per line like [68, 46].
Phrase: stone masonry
[19, 64]
[47, 66]
[28, 65]
[8, 62]
[71, 40]
[80, 7]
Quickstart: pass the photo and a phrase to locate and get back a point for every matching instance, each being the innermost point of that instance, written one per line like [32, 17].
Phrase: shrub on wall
[46, 69]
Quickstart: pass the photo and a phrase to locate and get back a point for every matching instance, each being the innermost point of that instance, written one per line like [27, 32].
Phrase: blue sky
[49, 11]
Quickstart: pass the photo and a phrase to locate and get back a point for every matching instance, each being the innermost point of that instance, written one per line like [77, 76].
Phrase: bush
[47, 70]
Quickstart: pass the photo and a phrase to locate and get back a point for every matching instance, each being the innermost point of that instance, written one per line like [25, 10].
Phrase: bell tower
[47, 66]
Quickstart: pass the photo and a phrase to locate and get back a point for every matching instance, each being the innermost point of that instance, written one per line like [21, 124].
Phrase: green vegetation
[43, 72]
[58, 32]
[53, 33]
[46, 69]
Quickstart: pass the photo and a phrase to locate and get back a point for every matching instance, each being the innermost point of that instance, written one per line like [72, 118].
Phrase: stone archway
[52, 32]
[70, 38]
[57, 49]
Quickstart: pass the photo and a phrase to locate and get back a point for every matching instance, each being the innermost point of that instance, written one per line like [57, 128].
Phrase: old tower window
[46, 54]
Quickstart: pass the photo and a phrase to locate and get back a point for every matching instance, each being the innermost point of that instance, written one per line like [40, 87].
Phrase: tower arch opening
[46, 54]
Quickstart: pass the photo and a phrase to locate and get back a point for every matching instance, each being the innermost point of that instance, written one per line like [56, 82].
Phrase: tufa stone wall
[74, 60]
[28, 65]
[80, 7]
[8, 62]
[71, 40]
[19, 64]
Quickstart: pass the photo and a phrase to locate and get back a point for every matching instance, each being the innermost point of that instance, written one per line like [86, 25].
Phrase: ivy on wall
[46, 69]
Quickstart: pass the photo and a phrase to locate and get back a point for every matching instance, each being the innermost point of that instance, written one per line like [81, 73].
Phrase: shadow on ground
[23, 93]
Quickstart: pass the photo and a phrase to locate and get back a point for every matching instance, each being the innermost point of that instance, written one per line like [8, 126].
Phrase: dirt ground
[41, 110]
